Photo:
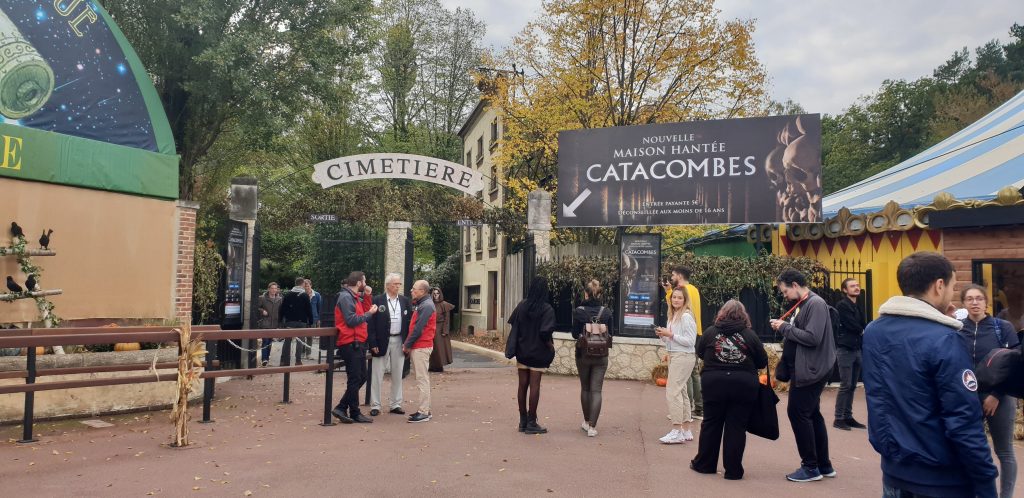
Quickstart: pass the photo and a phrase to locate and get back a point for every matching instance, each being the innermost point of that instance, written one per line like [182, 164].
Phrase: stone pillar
[242, 206]
[538, 222]
[394, 253]
[184, 260]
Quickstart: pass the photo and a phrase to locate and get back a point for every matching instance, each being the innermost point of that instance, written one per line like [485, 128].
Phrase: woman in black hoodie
[591, 369]
[533, 322]
[732, 355]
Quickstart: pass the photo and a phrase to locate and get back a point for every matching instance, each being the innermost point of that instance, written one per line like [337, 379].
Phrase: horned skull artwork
[795, 174]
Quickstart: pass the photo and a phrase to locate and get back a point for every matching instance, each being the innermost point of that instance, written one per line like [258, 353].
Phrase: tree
[253, 64]
[599, 63]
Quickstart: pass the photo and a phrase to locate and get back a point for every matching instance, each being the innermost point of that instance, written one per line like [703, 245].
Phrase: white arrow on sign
[569, 211]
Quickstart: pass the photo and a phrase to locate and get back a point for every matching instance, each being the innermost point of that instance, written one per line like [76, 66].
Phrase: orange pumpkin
[661, 381]
[40, 350]
[127, 346]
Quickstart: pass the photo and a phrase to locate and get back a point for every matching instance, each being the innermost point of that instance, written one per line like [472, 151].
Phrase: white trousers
[395, 359]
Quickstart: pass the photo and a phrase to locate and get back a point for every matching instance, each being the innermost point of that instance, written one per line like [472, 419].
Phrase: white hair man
[387, 332]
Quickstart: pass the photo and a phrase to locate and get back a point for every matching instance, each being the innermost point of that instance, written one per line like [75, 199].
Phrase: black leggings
[529, 380]
[592, 372]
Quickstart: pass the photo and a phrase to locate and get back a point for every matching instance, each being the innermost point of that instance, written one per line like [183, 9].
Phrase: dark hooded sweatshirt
[532, 329]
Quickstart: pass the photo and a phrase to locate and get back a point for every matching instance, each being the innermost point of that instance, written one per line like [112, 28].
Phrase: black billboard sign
[755, 170]
[639, 271]
[234, 287]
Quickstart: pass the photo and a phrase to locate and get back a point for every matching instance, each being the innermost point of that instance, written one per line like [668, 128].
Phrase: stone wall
[630, 357]
[91, 401]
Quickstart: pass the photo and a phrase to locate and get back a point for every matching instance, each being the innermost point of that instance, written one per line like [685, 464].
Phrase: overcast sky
[825, 54]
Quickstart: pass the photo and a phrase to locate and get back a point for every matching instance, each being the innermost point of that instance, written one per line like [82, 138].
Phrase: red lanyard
[795, 306]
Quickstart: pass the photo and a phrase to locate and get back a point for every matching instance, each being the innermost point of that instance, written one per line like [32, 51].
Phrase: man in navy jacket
[923, 412]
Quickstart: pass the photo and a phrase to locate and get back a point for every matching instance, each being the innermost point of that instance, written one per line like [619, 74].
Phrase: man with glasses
[387, 332]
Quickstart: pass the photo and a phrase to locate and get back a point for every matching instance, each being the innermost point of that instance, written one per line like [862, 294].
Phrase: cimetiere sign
[392, 166]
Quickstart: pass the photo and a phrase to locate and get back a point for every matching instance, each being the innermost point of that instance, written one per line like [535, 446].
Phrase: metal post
[208, 384]
[329, 383]
[369, 375]
[869, 302]
[287, 383]
[30, 399]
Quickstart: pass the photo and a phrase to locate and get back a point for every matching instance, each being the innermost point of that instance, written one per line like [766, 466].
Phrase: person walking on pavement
[924, 418]
[353, 310]
[269, 306]
[981, 334]
[591, 313]
[442, 354]
[533, 323]
[296, 313]
[419, 344]
[681, 278]
[849, 336]
[680, 337]
[316, 306]
[810, 329]
[386, 333]
[732, 355]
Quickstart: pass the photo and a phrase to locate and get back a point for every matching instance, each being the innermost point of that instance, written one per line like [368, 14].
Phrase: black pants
[804, 412]
[729, 397]
[849, 372]
[354, 355]
[286, 349]
[592, 372]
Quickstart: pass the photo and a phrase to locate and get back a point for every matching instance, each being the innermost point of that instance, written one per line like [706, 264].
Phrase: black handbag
[764, 419]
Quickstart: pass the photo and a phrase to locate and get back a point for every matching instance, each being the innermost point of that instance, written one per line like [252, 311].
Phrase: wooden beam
[14, 296]
[30, 252]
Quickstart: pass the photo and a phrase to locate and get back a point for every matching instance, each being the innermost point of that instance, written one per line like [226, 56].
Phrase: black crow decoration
[16, 230]
[12, 286]
[44, 241]
[30, 284]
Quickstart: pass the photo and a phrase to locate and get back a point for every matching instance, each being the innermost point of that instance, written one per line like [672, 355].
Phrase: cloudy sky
[824, 54]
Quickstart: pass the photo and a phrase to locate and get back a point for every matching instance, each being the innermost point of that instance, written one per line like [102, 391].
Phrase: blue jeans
[1000, 425]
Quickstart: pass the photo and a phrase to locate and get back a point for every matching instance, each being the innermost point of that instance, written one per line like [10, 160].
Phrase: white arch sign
[390, 166]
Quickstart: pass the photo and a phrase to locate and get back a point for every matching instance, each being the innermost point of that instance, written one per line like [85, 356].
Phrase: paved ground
[470, 448]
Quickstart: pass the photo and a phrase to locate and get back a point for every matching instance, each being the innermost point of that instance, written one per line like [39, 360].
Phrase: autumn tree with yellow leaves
[600, 63]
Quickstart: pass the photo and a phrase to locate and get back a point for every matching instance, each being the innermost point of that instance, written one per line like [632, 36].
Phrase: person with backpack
[849, 333]
[679, 337]
[592, 329]
[981, 334]
[809, 331]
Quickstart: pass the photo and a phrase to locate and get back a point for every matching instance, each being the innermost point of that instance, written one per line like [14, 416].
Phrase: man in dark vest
[849, 337]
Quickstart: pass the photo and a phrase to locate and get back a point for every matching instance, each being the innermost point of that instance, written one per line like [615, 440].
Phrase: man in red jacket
[420, 343]
[351, 313]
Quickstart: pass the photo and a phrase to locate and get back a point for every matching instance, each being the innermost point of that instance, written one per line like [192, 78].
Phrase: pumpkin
[127, 346]
[661, 381]
[40, 350]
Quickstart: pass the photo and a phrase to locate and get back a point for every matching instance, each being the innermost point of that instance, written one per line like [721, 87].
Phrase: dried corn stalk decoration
[190, 368]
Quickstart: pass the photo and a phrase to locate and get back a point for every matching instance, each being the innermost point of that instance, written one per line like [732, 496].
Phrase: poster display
[755, 170]
[234, 285]
[639, 282]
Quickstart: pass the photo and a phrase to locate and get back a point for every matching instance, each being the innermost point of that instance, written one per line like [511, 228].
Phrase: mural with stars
[63, 70]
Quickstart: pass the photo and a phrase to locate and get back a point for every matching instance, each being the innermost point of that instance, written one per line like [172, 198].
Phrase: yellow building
[483, 249]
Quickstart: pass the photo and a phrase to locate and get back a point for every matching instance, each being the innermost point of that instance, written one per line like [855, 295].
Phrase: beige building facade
[483, 248]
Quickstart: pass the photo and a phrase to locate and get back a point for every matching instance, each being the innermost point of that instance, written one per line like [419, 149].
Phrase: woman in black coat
[533, 322]
[732, 354]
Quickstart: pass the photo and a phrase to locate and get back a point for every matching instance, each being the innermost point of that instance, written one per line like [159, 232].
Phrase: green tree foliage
[246, 63]
[903, 118]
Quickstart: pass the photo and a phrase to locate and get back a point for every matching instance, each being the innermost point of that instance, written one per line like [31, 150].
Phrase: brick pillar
[184, 260]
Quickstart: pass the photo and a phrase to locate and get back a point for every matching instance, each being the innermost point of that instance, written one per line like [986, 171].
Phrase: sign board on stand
[639, 282]
[756, 170]
[234, 285]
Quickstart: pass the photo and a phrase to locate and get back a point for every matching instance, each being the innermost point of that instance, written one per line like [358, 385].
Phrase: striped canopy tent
[974, 163]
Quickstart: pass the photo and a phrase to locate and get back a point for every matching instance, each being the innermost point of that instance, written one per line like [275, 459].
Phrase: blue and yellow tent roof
[974, 163]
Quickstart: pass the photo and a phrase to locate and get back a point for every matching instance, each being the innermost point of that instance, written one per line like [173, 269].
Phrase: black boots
[522, 422]
[532, 427]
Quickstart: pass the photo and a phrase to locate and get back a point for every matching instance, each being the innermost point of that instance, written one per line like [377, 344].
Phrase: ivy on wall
[206, 275]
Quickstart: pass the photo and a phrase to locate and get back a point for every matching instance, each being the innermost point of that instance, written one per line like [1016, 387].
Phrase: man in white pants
[386, 332]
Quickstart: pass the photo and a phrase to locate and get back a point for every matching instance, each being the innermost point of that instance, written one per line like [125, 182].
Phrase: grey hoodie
[811, 330]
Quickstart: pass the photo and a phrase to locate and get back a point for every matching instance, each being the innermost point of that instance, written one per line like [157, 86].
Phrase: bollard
[30, 399]
[329, 384]
[287, 382]
[369, 375]
[208, 384]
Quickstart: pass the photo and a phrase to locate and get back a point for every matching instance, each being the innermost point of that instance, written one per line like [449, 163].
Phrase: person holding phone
[679, 337]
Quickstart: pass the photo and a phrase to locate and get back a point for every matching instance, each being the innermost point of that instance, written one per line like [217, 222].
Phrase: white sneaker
[687, 435]
[671, 436]
[591, 432]
[585, 427]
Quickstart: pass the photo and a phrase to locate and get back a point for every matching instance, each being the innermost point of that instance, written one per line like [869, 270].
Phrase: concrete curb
[490, 353]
